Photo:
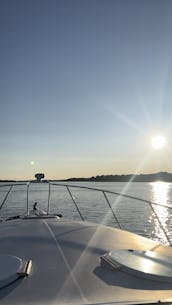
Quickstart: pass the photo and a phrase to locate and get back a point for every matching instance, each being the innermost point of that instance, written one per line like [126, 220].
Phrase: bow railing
[69, 190]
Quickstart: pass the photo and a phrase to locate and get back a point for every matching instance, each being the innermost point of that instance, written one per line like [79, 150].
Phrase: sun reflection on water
[160, 195]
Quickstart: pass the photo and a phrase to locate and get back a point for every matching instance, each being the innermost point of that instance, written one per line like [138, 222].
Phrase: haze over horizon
[84, 86]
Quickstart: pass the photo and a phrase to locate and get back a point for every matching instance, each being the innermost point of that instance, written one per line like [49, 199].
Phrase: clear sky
[84, 85]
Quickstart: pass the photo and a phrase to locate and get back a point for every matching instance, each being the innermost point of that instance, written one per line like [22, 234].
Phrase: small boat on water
[46, 259]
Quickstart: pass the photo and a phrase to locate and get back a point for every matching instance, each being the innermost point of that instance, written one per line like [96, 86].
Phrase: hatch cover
[146, 264]
[11, 268]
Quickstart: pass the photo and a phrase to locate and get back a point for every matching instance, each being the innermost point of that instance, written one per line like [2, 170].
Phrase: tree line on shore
[161, 176]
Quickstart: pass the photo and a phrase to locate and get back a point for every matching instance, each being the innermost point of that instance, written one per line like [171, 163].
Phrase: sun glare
[158, 142]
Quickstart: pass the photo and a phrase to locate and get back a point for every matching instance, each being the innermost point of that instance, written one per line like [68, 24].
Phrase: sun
[158, 142]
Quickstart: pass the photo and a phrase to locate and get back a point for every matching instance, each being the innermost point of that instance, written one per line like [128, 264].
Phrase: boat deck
[66, 267]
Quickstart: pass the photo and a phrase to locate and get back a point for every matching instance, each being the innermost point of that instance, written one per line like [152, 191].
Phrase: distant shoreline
[160, 176]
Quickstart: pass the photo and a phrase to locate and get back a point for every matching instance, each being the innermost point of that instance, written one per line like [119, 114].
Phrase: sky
[84, 86]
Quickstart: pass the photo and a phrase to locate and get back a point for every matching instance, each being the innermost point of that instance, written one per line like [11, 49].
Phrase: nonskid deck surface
[66, 264]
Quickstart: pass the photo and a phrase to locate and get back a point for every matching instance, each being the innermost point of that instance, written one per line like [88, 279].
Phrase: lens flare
[158, 142]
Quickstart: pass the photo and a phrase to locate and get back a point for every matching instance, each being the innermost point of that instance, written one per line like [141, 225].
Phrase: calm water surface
[134, 215]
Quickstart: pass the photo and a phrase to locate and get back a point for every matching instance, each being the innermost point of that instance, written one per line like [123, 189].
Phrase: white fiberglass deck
[66, 264]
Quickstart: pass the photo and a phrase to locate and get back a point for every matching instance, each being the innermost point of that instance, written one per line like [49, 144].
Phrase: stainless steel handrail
[104, 192]
[112, 192]
[114, 215]
[49, 194]
[6, 196]
[12, 185]
[27, 203]
[151, 203]
[79, 212]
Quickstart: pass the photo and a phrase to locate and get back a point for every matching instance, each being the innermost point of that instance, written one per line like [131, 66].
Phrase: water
[133, 215]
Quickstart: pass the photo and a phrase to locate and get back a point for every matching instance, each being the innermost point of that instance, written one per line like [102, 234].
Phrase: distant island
[160, 176]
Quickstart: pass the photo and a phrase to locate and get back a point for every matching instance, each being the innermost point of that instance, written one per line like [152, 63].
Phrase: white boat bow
[45, 259]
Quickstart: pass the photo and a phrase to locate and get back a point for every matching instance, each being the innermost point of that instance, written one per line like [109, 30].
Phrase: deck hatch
[145, 264]
[12, 268]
